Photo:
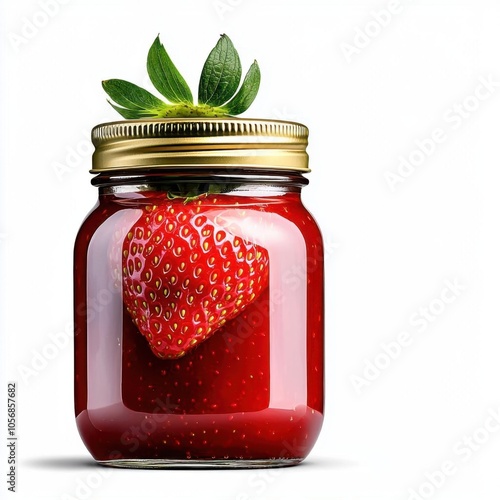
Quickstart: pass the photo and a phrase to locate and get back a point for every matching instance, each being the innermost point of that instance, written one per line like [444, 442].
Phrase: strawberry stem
[190, 110]
[190, 192]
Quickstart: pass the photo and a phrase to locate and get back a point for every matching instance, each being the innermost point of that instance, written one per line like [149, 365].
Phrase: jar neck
[199, 181]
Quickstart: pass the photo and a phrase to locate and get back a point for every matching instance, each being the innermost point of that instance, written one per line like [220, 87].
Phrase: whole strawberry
[185, 276]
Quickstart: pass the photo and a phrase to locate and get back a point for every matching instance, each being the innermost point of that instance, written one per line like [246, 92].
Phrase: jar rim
[226, 142]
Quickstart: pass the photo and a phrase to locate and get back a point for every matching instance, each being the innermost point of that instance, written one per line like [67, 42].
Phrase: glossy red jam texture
[165, 373]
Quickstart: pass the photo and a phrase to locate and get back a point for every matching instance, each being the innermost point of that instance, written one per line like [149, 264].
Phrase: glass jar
[199, 297]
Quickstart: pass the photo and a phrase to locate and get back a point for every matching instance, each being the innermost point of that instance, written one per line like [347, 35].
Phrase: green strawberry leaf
[133, 114]
[221, 74]
[246, 95]
[135, 101]
[165, 76]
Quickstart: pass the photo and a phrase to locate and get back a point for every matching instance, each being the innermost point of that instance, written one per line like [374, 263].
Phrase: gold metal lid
[200, 143]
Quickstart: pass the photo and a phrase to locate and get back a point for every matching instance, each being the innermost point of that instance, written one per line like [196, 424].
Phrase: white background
[368, 100]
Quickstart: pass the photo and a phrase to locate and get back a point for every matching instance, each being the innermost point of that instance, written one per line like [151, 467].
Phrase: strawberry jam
[199, 320]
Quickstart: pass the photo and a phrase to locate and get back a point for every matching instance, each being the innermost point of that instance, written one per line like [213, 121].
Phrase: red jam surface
[253, 390]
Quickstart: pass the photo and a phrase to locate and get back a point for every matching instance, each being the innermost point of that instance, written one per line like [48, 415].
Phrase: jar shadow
[74, 463]
[66, 463]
